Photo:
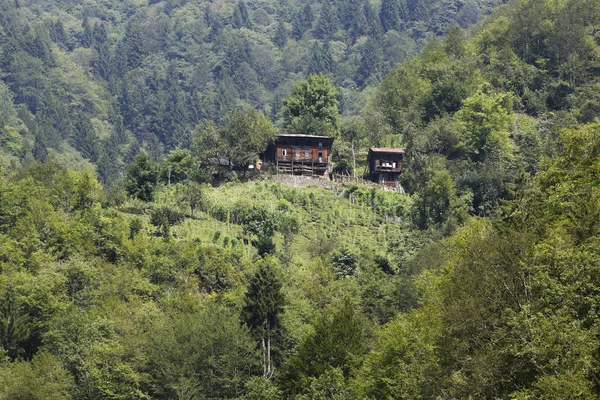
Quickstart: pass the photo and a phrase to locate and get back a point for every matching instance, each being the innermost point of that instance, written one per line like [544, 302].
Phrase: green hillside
[162, 274]
[94, 82]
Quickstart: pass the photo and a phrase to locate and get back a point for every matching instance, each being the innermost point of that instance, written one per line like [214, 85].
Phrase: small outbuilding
[300, 154]
[385, 165]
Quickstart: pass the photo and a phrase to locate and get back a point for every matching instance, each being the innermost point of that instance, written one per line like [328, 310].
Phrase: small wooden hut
[385, 165]
[301, 154]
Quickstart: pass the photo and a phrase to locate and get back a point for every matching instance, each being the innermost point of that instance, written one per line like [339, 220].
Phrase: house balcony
[387, 169]
[300, 159]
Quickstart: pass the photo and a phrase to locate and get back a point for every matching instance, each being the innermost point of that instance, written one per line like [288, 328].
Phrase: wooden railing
[316, 160]
[387, 169]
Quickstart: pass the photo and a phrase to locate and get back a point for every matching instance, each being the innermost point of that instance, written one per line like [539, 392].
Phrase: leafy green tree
[179, 166]
[262, 311]
[142, 177]
[404, 362]
[194, 196]
[259, 388]
[336, 343]
[312, 108]
[207, 353]
[261, 223]
[486, 117]
[236, 144]
[43, 378]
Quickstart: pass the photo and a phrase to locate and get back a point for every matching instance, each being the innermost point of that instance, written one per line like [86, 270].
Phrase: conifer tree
[39, 150]
[390, 14]
[321, 61]
[303, 21]
[240, 16]
[87, 36]
[281, 35]
[373, 26]
[417, 10]
[371, 62]
[262, 313]
[327, 24]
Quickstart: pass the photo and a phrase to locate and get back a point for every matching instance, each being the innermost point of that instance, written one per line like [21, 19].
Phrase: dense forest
[134, 266]
[96, 81]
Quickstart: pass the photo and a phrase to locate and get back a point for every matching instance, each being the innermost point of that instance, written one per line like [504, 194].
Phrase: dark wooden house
[300, 154]
[385, 165]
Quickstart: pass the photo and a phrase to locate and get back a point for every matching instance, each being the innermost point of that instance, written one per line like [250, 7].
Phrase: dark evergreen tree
[302, 21]
[85, 140]
[327, 24]
[104, 63]
[390, 14]
[321, 61]
[215, 29]
[417, 10]
[360, 26]
[39, 150]
[99, 33]
[371, 62]
[373, 20]
[57, 33]
[336, 343]
[347, 13]
[281, 35]
[240, 16]
[87, 36]
[262, 313]
[404, 11]
[38, 44]
[133, 43]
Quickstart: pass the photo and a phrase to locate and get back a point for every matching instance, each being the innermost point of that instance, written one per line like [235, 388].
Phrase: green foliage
[336, 343]
[379, 294]
[262, 313]
[42, 378]
[237, 143]
[142, 177]
[312, 108]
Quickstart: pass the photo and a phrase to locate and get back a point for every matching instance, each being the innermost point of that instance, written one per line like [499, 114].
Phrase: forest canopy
[138, 261]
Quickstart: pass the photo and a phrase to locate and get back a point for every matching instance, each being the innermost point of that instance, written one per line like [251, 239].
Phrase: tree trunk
[264, 362]
[354, 161]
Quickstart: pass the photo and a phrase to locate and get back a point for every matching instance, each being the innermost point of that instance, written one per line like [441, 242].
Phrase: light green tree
[312, 107]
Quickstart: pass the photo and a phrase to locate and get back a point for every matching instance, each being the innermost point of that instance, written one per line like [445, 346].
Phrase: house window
[320, 154]
[307, 153]
[284, 152]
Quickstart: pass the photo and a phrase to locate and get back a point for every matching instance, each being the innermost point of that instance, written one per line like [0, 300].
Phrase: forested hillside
[97, 81]
[184, 277]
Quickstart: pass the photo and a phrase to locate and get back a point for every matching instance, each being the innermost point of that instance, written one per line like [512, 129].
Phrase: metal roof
[305, 136]
[386, 150]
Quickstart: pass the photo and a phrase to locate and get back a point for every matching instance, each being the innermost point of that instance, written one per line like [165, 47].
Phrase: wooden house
[385, 165]
[301, 154]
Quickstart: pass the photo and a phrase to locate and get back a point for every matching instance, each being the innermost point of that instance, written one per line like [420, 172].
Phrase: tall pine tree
[328, 24]
[303, 21]
[262, 313]
[390, 14]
